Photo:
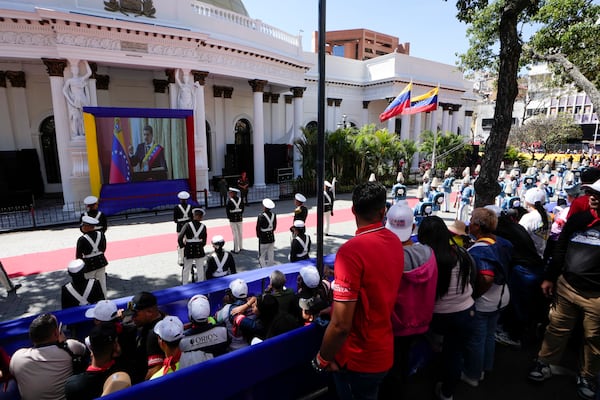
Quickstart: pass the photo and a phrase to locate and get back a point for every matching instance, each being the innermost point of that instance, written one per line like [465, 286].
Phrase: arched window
[312, 125]
[243, 132]
[49, 150]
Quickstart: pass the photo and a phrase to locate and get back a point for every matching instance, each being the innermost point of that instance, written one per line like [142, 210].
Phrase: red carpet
[47, 261]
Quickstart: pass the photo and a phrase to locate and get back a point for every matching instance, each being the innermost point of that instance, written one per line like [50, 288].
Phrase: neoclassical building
[247, 83]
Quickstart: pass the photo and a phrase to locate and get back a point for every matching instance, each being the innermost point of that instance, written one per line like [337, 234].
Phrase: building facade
[251, 83]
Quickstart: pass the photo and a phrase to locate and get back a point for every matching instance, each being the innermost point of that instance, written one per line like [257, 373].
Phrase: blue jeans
[482, 344]
[352, 385]
[526, 300]
[456, 328]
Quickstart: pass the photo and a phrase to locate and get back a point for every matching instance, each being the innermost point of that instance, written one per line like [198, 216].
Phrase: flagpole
[321, 135]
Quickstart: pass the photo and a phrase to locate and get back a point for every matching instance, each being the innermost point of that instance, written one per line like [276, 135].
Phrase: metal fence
[51, 212]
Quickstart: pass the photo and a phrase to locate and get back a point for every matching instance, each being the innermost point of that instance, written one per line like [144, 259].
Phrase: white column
[219, 154]
[445, 118]
[93, 92]
[161, 97]
[62, 126]
[431, 121]
[455, 118]
[391, 125]
[467, 127]
[18, 107]
[298, 113]
[417, 129]
[172, 88]
[267, 117]
[7, 138]
[200, 132]
[365, 113]
[258, 139]
[405, 128]
[330, 122]
[228, 120]
[277, 121]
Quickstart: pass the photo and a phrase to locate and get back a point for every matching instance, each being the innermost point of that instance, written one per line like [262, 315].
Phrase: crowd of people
[470, 284]
[128, 346]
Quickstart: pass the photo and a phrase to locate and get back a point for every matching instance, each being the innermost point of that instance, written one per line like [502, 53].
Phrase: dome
[233, 5]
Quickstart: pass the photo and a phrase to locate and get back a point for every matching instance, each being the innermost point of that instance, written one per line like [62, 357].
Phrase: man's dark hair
[42, 328]
[368, 199]
[149, 129]
[102, 339]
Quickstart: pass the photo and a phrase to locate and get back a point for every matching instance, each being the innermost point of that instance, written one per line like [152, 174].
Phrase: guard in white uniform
[220, 262]
[182, 214]
[192, 239]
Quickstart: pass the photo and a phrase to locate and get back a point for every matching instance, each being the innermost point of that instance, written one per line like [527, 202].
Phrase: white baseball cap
[169, 329]
[198, 308]
[88, 201]
[89, 220]
[534, 195]
[310, 276]
[300, 197]
[217, 239]
[592, 186]
[183, 195]
[268, 203]
[104, 310]
[75, 266]
[400, 220]
[299, 224]
[239, 288]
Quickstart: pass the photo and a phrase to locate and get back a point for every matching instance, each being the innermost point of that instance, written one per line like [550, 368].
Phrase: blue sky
[430, 26]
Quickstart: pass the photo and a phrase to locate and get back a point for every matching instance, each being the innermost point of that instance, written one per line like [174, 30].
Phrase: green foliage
[307, 146]
[544, 133]
[450, 149]
[376, 151]
[570, 27]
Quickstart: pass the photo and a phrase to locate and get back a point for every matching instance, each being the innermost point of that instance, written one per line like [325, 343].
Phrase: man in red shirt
[358, 343]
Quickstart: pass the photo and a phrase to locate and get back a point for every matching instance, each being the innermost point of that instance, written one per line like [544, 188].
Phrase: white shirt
[532, 222]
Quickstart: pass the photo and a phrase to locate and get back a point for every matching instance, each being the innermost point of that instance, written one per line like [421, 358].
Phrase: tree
[408, 148]
[376, 151]
[339, 153]
[545, 134]
[307, 146]
[492, 22]
[569, 40]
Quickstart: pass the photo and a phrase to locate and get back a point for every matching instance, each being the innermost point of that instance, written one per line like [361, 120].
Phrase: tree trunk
[486, 185]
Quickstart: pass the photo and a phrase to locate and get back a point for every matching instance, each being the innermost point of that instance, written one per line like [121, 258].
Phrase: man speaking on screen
[150, 156]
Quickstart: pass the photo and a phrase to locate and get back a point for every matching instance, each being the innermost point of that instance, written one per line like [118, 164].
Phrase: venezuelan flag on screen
[120, 169]
[400, 103]
[423, 103]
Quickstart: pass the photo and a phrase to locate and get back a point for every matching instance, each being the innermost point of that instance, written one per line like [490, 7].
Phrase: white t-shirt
[454, 301]
[532, 222]
[41, 372]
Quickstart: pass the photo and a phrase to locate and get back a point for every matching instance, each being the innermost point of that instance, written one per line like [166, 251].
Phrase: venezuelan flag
[400, 103]
[423, 103]
[120, 168]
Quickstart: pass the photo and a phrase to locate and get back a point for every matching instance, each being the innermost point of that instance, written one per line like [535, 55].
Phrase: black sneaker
[586, 389]
[540, 371]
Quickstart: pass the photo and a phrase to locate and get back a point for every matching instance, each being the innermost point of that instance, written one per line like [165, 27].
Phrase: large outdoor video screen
[139, 145]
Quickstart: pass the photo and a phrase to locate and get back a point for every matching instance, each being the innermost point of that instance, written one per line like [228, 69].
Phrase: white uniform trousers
[327, 216]
[446, 202]
[266, 254]
[236, 229]
[186, 272]
[100, 275]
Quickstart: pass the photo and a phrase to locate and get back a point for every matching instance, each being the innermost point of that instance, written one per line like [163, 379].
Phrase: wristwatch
[319, 364]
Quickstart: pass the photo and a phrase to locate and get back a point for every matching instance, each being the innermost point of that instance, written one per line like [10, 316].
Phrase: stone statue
[78, 96]
[185, 97]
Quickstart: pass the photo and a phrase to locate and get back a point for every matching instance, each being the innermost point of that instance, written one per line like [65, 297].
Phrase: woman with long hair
[453, 313]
